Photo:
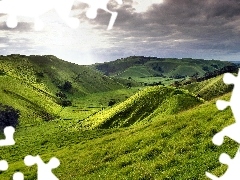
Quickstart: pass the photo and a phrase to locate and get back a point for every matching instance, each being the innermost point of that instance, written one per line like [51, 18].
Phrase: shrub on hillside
[67, 86]
[63, 101]
[8, 116]
[66, 103]
[112, 102]
[2, 72]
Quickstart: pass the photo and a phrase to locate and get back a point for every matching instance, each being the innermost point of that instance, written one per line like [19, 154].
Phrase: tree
[61, 95]
[8, 116]
[2, 72]
[111, 102]
[67, 86]
[129, 85]
[63, 101]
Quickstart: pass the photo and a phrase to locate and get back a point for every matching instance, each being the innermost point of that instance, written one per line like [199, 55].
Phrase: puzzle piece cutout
[232, 172]
[8, 132]
[229, 78]
[232, 130]
[18, 176]
[94, 5]
[36, 8]
[44, 170]
[8, 141]
[3, 165]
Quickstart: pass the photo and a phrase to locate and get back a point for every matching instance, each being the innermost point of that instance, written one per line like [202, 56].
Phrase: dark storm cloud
[177, 25]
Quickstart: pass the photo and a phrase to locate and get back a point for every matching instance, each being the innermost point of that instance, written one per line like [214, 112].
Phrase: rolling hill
[152, 69]
[143, 106]
[158, 132]
[175, 146]
[210, 88]
[41, 86]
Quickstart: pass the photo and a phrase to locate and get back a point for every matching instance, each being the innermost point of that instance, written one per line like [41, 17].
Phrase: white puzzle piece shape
[44, 170]
[232, 172]
[34, 9]
[9, 140]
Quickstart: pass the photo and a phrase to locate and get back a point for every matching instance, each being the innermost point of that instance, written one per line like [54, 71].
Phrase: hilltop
[143, 106]
[175, 146]
[150, 70]
[159, 132]
[42, 87]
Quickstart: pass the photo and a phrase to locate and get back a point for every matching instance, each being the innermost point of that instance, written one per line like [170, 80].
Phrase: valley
[133, 118]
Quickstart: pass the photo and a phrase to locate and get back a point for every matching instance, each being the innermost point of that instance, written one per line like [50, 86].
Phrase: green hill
[144, 105]
[155, 132]
[137, 66]
[176, 146]
[210, 88]
[31, 83]
[152, 69]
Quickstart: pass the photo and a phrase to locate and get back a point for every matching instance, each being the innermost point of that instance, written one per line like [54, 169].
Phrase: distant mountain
[153, 69]
[235, 62]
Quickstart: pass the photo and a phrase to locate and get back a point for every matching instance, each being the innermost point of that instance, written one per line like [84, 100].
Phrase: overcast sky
[208, 29]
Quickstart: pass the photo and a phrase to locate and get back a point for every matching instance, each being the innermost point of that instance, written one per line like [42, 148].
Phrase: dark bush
[2, 72]
[111, 102]
[61, 95]
[205, 68]
[63, 101]
[66, 103]
[66, 86]
[8, 116]
[129, 85]
[39, 74]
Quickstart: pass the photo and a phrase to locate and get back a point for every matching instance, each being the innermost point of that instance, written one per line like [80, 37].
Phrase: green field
[149, 70]
[158, 132]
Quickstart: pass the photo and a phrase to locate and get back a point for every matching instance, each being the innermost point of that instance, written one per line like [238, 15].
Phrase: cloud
[21, 27]
[174, 28]
[181, 25]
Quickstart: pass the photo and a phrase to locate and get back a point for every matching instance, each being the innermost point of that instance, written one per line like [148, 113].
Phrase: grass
[210, 88]
[149, 101]
[30, 84]
[168, 147]
[150, 69]
[150, 133]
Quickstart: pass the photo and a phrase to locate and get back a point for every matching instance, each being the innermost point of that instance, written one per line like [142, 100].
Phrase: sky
[203, 29]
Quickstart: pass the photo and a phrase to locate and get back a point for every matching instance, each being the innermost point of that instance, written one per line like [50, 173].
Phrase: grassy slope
[141, 68]
[210, 88]
[29, 83]
[174, 145]
[169, 147]
[151, 100]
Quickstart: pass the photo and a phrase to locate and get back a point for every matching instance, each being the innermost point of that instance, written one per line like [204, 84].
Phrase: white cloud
[3, 45]
[143, 5]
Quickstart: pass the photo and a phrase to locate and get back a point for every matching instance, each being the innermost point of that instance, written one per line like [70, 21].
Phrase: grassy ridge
[158, 99]
[169, 147]
[53, 72]
[34, 105]
[170, 138]
[152, 69]
[210, 88]
[30, 84]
